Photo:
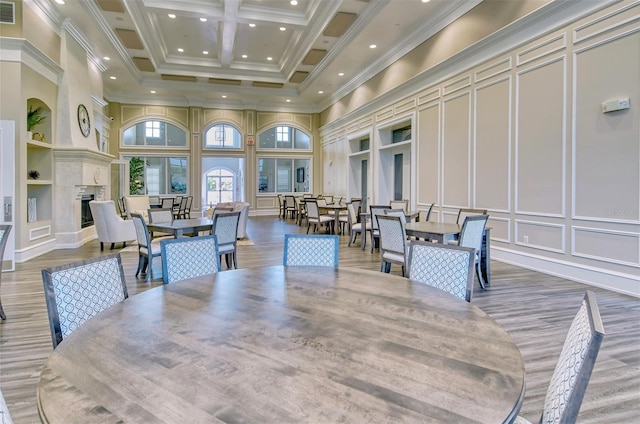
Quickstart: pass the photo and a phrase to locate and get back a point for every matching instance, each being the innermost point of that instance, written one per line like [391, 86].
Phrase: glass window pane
[284, 137]
[154, 133]
[223, 136]
[157, 175]
[302, 140]
[266, 175]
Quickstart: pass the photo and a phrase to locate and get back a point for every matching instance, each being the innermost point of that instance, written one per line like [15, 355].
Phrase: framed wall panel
[618, 247]
[540, 235]
[456, 153]
[427, 163]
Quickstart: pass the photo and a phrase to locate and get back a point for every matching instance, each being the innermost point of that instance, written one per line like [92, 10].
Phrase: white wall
[521, 134]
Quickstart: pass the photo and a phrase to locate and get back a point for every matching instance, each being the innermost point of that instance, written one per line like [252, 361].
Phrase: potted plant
[34, 118]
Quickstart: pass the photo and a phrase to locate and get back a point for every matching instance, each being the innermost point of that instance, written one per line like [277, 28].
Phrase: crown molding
[21, 51]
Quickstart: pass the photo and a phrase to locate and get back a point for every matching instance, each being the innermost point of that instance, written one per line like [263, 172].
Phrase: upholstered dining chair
[5, 416]
[290, 206]
[448, 268]
[281, 206]
[189, 257]
[399, 204]
[78, 291]
[310, 250]
[373, 230]
[393, 242]
[157, 215]
[147, 248]
[425, 214]
[355, 227]
[4, 236]
[225, 227]
[471, 235]
[314, 217]
[463, 213]
[301, 208]
[573, 370]
[166, 203]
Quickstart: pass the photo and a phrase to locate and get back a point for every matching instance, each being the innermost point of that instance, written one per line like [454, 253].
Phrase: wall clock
[83, 120]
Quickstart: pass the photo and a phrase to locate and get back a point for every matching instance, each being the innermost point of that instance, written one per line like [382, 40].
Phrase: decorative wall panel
[427, 169]
[455, 151]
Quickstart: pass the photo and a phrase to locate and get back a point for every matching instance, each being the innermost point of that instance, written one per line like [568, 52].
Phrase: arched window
[154, 133]
[222, 136]
[220, 186]
[283, 137]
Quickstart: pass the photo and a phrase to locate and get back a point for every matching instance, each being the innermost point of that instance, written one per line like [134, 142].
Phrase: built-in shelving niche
[40, 161]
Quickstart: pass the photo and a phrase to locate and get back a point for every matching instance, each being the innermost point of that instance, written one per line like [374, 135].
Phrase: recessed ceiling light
[112, 78]
[106, 58]
[269, 58]
[244, 56]
[203, 19]
[340, 74]
[425, 1]
[289, 100]
[180, 49]
[283, 29]
[60, 1]
[152, 91]
[224, 96]
[205, 52]
[252, 25]
[320, 92]
[293, 2]
[372, 46]
[171, 15]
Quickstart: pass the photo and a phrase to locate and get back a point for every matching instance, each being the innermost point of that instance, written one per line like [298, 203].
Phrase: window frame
[212, 127]
[127, 156]
[279, 136]
[163, 132]
[292, 176]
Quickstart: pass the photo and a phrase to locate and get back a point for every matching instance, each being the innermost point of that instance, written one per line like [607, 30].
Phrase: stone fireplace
[80, 176]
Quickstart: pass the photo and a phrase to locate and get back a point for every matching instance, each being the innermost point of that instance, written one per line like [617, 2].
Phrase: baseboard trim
[618, 282]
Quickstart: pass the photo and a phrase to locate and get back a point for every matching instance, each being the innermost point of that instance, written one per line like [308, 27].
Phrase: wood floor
[536, 309]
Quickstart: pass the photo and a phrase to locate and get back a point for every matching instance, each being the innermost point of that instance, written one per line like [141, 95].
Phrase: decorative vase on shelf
[32, 211]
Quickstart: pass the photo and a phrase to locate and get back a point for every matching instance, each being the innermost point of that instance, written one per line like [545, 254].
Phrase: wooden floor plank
[536, 309]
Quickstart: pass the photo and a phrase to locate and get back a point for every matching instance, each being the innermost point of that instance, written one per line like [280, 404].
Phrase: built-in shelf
[35, 144]
[396, 145]
[362, 153]
[39, 182]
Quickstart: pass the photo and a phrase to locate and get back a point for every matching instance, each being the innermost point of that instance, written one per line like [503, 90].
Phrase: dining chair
[301, 210]
[355, 227]
[311, 250]
[425, 214]
[328, 199]
[5, 416]
[122, 210]
[186, 214]
[78, 291]
[289, 206]
[185, 258]
[182, 208]
[464, 212]
[281, 206]
[314, 217]
[399, 204]
[393, 242]
[147, 248]
[4, 236]
[157, 215]
[176, 206]
[448, 268]
[573, 370]
[471, 235]
[225, 228]
[373, 230]
[166, 203]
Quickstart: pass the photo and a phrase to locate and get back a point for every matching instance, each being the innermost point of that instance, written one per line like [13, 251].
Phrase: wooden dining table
[440, 232]
[180, 227]
[286, 345]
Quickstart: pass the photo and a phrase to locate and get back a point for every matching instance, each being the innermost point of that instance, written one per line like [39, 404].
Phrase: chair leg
[235, 260]
[479, 274]
[2, 314]
[112, 246]
[149, 268]
[140, 262]
[101, 246]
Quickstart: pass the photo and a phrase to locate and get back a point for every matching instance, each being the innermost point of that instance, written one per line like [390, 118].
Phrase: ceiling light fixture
[106, 58]
[269, 58]
[181, 50]
[244, 56]
[152, 91]
[425, 1]
[283, 29]
[320, 92]
[289, 100]
[60, 1]
[293, 2]
[372, 46]
[171, 15]
[205, 52]
[252, 25]
[112, 78]
[340, 74]
[224, 96]
[203, 19]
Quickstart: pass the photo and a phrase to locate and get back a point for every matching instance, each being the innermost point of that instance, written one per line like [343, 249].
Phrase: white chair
[5, 416]
[399, 204]
[448, 268]
[573, 370]
[355, 227]
[185, 258]
[78, 291]
[4, 236]
[110, 227]
[393, 242]
[243, 208]
[225, 227]
[310, 250]
[471, 236]
[465, 212]
[157, 215]
[314, 217]
[137, 204]
[147, 248]
[290, 206]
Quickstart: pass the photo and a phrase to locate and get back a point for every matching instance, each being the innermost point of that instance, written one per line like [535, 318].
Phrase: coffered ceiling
[266, 54]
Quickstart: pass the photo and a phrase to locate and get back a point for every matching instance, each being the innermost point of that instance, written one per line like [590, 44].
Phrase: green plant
[136, 176]
[34, 117]
[33, 174]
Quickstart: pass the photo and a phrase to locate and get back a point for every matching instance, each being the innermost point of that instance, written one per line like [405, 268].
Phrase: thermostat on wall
[614, 105]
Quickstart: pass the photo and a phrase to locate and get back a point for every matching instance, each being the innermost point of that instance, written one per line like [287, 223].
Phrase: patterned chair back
[446, 267]
[160, 215]
[189, 257]
[573, 370]
[472, 231]
[225, 227]
[353, 214]
[142, 232]
[167, 203]
[322, 202]
[393, 238]
[375, 211]
[399, 213]
[78, 291]
[310, 250]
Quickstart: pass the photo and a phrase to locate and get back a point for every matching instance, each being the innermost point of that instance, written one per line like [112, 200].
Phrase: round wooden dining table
[286, 345]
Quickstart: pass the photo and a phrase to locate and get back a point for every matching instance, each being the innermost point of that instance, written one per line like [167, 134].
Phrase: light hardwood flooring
[536, 309]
